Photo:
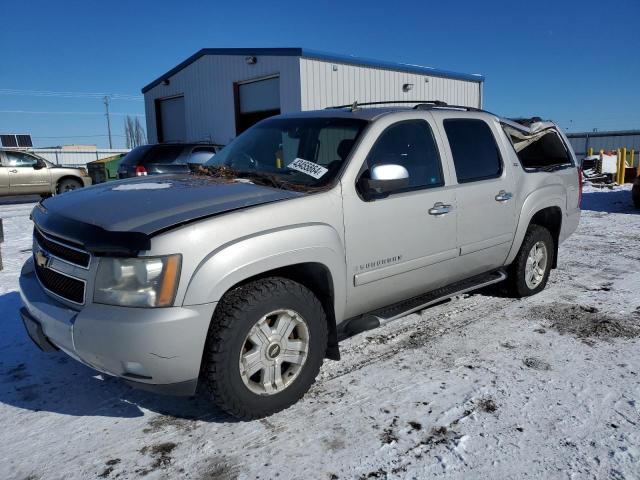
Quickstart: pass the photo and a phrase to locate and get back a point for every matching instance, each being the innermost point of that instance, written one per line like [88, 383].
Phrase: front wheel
[68, 185]
[529, 272]
[265, 346]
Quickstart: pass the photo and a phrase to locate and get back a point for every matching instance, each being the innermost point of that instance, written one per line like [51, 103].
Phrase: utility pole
[106, 106]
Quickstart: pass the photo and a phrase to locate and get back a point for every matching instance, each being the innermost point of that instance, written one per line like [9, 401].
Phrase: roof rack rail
[419, 105]
[356, 104]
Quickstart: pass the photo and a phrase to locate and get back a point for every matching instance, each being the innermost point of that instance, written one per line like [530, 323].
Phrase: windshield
[299, 151]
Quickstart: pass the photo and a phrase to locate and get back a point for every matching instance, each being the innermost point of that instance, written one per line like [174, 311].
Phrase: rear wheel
[68, 184]
[265, 347]
[529, 272]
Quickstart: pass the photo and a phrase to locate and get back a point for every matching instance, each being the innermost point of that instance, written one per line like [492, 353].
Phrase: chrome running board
[398, 310]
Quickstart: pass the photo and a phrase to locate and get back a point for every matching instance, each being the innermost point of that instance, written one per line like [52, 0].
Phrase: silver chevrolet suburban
[307, 228]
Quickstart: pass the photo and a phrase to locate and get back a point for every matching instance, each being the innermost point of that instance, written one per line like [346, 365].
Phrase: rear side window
[146, 154]
[163, 154]
[410, 144]
[474, 149]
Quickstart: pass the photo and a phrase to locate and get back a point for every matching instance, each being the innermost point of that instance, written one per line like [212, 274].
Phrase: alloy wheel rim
[274, 352]
[536, 265]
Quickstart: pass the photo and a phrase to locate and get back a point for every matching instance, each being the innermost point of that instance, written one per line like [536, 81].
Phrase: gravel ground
[482, 386]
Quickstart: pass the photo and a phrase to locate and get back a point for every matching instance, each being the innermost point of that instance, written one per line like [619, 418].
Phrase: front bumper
[157, 349]
[87, 182]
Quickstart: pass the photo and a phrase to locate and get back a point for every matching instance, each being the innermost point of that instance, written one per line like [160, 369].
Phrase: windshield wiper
[261, 177]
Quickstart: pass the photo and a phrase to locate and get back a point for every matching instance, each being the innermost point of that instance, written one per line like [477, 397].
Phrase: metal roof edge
[604, 133]
[318, 55]
[404, 67]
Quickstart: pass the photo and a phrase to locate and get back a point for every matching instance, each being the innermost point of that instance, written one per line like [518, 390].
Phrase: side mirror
[382, 180]
[38, 166]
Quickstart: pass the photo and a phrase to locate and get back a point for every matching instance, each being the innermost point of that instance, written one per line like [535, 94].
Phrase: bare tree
[133, 132]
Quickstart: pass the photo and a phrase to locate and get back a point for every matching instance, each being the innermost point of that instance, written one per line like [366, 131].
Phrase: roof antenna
[354, 107]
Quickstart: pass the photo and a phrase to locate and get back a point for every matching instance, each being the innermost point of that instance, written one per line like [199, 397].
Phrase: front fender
[544, 197]
[259, 253]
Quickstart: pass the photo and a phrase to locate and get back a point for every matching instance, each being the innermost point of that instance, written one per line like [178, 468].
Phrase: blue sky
[576, 62]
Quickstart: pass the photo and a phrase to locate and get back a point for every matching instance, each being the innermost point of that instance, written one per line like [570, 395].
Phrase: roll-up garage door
[171, 119]
[256, 100]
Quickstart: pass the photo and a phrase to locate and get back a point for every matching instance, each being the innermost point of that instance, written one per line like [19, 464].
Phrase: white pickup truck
[306, 228]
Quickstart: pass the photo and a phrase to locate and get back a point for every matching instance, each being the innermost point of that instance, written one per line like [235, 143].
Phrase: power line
[78, 136]
[48, 93]
[36, 112]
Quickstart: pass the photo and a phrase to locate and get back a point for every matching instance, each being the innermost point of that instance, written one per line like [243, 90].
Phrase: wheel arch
[544, 207]
[318, 279]
[319, 266]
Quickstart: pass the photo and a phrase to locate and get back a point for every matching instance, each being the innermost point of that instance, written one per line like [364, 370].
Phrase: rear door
[484, 191]
[27, 173]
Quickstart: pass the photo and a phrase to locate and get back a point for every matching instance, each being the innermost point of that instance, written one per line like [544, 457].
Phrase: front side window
[474, 149]
[17, 159]
[411, 145]
[307, 152]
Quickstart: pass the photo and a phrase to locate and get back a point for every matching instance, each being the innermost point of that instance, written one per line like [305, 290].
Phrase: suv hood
[120, 217]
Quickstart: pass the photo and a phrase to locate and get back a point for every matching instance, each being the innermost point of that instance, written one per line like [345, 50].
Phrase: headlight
[137, 282]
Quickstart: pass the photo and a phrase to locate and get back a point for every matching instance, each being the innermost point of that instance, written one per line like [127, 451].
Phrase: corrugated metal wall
[75, 158]
[326, 84]
[604, 141]
[207, 85]
[305, 84]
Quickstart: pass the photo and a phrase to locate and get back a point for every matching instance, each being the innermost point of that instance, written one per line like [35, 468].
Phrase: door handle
[504, 196]
[13, 171]
[440, 208]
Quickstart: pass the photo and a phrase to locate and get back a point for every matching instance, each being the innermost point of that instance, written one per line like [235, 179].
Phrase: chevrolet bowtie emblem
[42, 259]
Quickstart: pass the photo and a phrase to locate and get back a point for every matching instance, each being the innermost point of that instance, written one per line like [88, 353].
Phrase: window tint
[410, 144]
[475, 152]
[17, 159]
[334, 144]
[163, 154]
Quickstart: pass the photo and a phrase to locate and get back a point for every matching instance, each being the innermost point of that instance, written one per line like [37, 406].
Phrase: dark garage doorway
[256, 100]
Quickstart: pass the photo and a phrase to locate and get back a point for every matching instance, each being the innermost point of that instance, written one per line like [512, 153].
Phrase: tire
[68, 184]
[239, 392]
[517, 284]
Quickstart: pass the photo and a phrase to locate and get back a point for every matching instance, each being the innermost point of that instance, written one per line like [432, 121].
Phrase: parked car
[307, 228]
[635, 192]
[23, 172]
[164, 158]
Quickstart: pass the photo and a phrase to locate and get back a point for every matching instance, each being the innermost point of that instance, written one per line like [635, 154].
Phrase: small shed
[218, 93]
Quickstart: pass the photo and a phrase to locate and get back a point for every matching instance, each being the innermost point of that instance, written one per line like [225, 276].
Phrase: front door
[23, 177]
[404, 244]
[4, 176]
[486, 202]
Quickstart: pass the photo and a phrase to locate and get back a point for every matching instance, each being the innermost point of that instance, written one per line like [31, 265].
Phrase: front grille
[77, 257]
[61, 285]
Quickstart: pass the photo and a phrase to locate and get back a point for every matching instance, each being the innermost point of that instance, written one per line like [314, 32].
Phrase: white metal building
[219, 92]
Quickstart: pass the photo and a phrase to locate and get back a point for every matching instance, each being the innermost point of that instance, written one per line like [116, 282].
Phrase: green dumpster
[105, 169]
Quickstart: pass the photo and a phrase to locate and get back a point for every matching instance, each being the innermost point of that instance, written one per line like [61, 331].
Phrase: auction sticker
[305, 166]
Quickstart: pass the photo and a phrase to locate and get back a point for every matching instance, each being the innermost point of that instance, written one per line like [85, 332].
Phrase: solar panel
[24, 141]
[8, 140]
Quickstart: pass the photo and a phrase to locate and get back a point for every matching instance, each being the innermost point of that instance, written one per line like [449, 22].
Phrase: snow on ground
[480, 387]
